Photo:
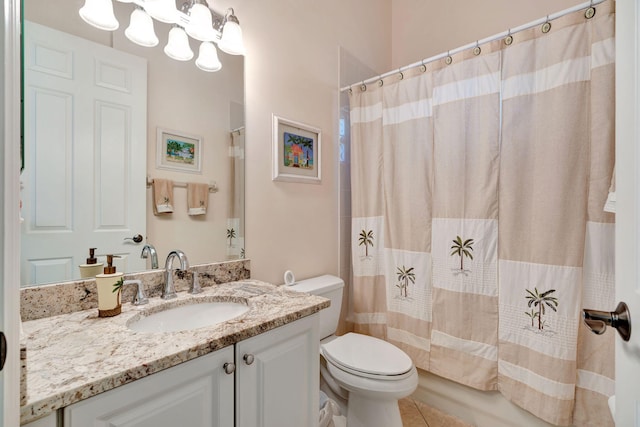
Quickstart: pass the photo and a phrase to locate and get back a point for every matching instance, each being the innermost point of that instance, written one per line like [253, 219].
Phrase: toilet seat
[369, 357]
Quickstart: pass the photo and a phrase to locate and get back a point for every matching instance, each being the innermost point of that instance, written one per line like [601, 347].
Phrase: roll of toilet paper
[289, 278]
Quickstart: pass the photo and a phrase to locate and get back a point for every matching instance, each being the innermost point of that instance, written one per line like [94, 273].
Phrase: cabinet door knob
[248, 359]
[229, 368]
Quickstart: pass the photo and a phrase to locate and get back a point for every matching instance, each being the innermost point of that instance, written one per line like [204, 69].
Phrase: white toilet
[373, 372]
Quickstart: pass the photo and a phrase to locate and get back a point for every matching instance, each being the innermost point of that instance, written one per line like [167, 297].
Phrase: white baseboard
[478, 408]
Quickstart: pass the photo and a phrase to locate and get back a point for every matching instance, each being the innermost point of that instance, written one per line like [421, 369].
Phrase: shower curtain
[235, 215]
[478, 227]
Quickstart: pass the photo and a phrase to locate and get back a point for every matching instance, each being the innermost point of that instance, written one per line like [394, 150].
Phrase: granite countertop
[74, 356]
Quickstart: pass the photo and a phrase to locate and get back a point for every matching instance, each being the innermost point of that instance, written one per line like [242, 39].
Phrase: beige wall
[292, 70]
[424, 28]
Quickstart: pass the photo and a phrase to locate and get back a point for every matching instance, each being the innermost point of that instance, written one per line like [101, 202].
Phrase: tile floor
[417, 414]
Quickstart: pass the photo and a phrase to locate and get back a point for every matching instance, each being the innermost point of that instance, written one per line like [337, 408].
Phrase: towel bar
[213, 188]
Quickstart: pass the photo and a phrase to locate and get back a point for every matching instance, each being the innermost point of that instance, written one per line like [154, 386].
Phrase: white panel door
[628, 208]
[85, 155]
[278, 376]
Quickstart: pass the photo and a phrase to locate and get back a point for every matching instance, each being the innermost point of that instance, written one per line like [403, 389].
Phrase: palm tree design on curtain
[366, 238]
[532, 314]
[541, 300]
[404, 277]
[231, 234]
[462, 249]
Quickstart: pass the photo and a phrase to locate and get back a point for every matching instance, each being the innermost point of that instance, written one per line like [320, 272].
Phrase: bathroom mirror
[180, 98]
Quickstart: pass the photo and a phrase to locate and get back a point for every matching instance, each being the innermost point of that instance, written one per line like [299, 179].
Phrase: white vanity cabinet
[277, 377]
[275, 384]
[195, 393]
[50, 420]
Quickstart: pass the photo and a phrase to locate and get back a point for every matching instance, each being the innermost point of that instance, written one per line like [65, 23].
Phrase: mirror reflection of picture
[179, 151]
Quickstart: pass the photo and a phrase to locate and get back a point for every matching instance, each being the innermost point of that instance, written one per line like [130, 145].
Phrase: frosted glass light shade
[178, 45]
[231, 41]
[140, 29]
[162, 10]
[200, 23]
[99, 13]
[208, 58]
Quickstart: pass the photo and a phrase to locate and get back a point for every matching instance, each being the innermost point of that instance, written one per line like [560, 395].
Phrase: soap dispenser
[109, 286]
[92, 267]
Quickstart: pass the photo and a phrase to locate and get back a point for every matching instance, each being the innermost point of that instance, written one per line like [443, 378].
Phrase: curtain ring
[401, 74]
[591, 11]
[423, 67]
[363, 87]
[448, 60]
[380, 81]
[509, 39]
[350, 91]
[546, 27]
[477, 50]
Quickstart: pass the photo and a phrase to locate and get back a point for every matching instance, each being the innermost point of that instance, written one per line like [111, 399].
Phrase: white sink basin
[187, 317]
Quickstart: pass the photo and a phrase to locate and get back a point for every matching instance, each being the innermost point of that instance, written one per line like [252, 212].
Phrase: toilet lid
[368, 355]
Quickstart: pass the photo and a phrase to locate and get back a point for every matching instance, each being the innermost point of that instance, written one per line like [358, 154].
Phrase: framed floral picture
[296, 151]
[179, 151]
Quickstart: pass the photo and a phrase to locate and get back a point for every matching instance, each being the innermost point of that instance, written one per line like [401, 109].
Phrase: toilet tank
[329, 287]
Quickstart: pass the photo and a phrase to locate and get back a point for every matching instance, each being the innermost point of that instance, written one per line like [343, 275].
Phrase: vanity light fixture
[140, 29]
[194, 19]
[99, 13]
[178, 45]
[208, 58]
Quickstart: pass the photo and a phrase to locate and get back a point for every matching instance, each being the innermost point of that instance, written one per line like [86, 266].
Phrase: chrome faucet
[147, 250]
[139, 298]
[169, 291]
[195, 284]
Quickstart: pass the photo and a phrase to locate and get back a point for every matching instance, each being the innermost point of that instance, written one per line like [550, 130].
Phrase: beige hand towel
[197, 198]
[162, 196]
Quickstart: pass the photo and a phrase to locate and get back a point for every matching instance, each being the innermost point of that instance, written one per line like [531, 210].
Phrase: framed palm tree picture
[179, 151]
[296, 151]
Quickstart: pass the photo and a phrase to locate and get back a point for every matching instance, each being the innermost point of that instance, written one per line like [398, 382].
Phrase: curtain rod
[479, 42]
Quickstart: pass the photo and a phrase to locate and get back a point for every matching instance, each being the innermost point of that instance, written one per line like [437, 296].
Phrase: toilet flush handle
[248, 359]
